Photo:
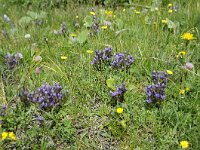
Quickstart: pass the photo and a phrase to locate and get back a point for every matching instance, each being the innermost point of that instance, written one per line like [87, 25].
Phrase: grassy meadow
[99, 77]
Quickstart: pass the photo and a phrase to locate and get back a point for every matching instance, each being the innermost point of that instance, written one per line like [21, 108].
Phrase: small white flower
[27, 36]
[107, 23]
[18, 56]
[55, 32]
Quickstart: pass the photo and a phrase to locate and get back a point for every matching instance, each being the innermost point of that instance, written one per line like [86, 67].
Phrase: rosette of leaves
[31, 16]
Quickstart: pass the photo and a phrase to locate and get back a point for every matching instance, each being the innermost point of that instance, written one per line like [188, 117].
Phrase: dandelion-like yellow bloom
[169, 5]
[73, 35]
[187, 36]
[187, 89]
[182, 92]
[77, 17]
[137, 12]
[184, 144]
[92, 13]
[104, 27]
[12, 135]
[63, 57]
[109, 13]
[169, 72]
[4, 135]
[120, 110]
[164, 21]
[89, 51]
[170, 11]
[182, 53]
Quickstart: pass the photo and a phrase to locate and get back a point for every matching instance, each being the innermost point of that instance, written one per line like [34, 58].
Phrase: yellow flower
[182, 53]
[170, 11]
[109, 13]
[137, 12]
[63, 57]
[188, 36]
[104, 27]
[164, 21]
[92, 13]
[169, 72]
[76, 17]
[73, 35]
[184, 144]
[120, 110]
[12, 136]
[89, 51]
[187, 89]
[182, 92]
[169, 5]
[4, 135]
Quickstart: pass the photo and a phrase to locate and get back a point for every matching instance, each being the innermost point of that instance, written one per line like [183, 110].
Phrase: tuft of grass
[87, 119]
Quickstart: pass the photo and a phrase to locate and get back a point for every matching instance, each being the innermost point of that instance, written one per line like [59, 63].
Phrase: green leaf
[170, 24]
[25, 20]
[35, 16]
[120, 31]
[13, 31]
[42, 15]
[111, 83]
[147, 20]
[32, 14]
[102, 16]
[88, 21]
[119, 23]
[82, 37]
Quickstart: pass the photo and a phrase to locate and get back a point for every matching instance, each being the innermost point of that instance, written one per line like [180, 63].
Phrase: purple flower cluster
[122, 61]
[40, 120]
[47, 96]
[95, 26]
[12, 60]
[63, 30]
[156, 91]
[2, 112]
[118, 61]
[102, 57]
[119, 93]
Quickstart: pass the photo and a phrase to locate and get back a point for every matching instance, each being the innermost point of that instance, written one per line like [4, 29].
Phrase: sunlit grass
[89, 116]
